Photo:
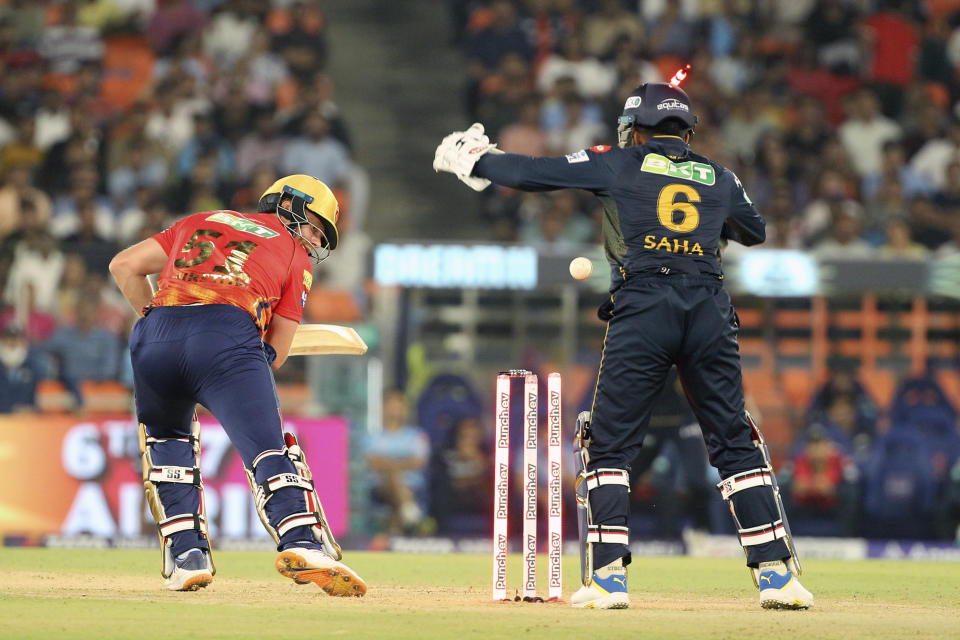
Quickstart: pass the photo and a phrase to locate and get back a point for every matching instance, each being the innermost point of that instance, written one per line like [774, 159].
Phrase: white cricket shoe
[607, 589]
[783, 591]
[193, 570]
[305, 565]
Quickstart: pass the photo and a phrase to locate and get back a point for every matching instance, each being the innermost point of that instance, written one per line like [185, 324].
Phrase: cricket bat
[326, 339]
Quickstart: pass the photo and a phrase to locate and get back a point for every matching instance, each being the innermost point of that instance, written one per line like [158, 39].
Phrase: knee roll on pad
[284, 474]
[174, 513]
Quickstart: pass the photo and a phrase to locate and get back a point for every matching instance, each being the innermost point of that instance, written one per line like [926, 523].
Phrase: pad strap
[305, 519]
[744, 480]
[270, 486]
[180, 475]
[182, 522]
[762, 534]
[608, 534]
[600, 477]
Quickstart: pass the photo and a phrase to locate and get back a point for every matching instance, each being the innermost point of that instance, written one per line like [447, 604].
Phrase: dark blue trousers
[212, 355]
[658, 321]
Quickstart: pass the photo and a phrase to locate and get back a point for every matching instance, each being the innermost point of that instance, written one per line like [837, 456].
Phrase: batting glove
[459, 152]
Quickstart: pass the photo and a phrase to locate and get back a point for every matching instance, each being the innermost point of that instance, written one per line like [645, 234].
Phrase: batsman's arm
[131, 267]
[581, 170]
[280, 337]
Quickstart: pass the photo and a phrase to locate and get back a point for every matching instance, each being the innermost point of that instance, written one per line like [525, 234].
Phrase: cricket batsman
[666, 210]
[230, 296]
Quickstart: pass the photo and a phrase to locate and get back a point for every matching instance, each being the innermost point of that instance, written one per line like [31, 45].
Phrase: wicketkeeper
[230, 296]
[666, 209]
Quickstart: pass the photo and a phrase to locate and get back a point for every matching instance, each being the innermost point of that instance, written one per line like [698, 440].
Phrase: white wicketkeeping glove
[460, 150]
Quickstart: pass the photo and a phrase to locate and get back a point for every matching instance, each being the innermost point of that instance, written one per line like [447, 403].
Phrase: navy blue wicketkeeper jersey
[664, 206]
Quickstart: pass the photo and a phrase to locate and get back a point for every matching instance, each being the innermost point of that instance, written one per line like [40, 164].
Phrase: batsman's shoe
[305, 565]
[783, 591]
[607, 589]
[192, 570]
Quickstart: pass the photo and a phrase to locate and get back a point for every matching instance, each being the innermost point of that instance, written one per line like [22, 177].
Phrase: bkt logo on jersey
[693, 171]
[672, 104]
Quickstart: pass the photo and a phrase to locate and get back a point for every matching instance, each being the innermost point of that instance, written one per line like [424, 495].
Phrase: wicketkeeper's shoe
[192, 570]
[607, 589]
[304, 565]
[782, 591]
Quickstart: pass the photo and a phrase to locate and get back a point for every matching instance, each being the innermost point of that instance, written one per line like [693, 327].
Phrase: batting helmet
[306, 193]
[652, 103]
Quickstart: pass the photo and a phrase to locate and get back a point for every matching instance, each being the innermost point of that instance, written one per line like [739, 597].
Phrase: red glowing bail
[680, 75]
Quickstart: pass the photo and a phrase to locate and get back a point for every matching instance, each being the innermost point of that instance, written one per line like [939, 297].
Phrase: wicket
[501, 478]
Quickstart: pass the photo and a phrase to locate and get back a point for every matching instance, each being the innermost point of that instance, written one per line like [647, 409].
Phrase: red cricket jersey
[247, 260]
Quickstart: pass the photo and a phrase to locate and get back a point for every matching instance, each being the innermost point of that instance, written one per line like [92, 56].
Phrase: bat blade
[326, 339]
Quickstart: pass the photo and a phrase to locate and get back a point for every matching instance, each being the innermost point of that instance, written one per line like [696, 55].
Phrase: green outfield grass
[47, 593]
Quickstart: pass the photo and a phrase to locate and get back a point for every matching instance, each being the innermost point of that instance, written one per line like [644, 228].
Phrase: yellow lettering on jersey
[672, 245]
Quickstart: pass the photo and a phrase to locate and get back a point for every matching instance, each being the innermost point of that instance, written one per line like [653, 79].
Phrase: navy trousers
[212, 355]
[660, 320]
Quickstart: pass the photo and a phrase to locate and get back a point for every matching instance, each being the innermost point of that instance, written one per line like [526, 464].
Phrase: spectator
[262, 147]
[892, 47]
[206, 141]
[87, 241]
[822, 486]
[22, 151]
[136, 168]
[461, 495]
[66, 46]
[831, 29]
[950, 248]
[397, 457]
[843, 241]
[865, 131]
[671, 33]
[22, 367]
[893, 165]
[580, 131]
[933, 158]
[172, 20]
[317, 153]
[887, 206]
[229, 35]
[559, 224]
[37, 264]
[602, 30]
[299, 38]
[832, 193]
[84, 351]
[525, 136]
[266, 70]
[843, 382]
[593, 79]
[899, 246]
[18, 199]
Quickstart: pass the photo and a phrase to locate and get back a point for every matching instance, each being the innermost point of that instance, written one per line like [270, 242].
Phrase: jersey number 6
[667, 206]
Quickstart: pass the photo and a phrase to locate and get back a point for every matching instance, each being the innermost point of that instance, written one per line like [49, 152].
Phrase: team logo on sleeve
[601, 148]
[307, 280]
[579, 156]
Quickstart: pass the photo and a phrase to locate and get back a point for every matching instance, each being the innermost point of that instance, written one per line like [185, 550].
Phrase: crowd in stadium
[117, 118]
[842, 118]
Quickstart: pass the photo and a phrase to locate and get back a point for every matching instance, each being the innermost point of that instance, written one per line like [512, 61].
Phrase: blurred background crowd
[841, 117]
